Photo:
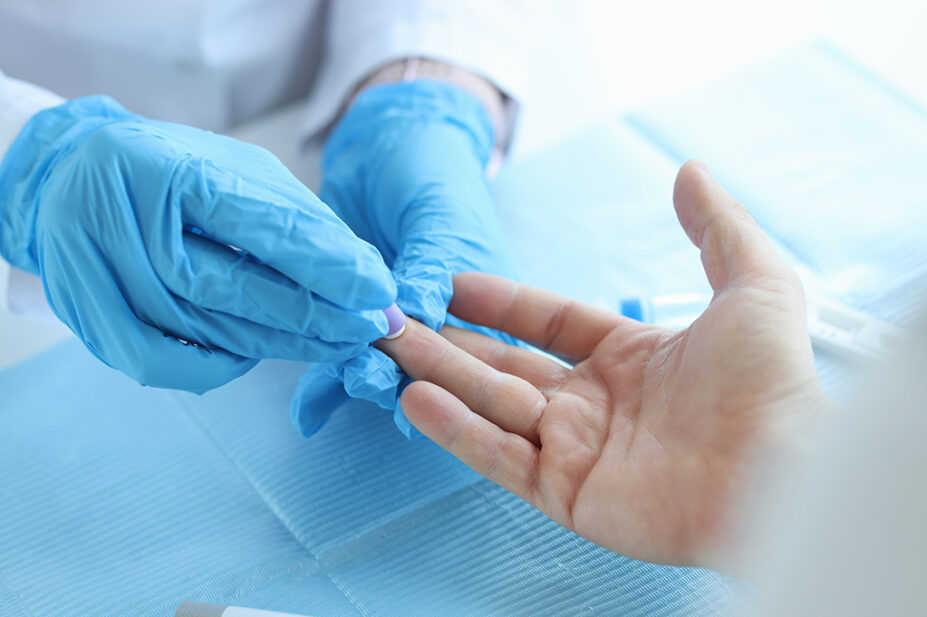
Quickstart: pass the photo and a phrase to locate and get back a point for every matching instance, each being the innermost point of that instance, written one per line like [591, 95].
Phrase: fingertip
[430, 408]
[381, 322]
[689, 196]
[405, 427]
[353, 274]
[414, 398]
[375, 286]
[699, 199]
[698, 164]
[732, 245]
[414, 402]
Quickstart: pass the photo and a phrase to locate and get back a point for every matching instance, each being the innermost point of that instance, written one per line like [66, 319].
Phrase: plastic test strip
[199, 609]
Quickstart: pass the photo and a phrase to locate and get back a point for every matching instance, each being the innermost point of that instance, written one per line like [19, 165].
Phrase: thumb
[735, 252]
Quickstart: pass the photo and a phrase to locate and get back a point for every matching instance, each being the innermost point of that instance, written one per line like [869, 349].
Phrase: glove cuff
[47, 136]
[398, 106]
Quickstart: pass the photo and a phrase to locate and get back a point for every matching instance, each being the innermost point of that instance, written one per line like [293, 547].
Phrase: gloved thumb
[735, 251]
[428, 260]
[424, 291]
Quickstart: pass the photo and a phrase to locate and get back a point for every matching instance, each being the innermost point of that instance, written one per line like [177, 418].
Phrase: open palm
[642, 444]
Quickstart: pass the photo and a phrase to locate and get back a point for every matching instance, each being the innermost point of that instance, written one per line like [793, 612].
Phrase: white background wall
[656, 47]
[651, 49]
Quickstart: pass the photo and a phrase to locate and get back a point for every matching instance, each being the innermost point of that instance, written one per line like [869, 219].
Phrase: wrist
[428, 122]
[43, 144]
[800, 421]
[412, 68]
[19, 101]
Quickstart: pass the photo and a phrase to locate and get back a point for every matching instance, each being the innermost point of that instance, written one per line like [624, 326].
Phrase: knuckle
[108, 139]
[557, 322]
[497, 453]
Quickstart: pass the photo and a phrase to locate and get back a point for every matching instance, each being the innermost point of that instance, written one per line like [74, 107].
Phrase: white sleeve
[491, 39]
[19, 101]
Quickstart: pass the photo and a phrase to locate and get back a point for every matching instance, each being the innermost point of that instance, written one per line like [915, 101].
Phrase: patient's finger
[540, 371]
[507, 459]
[506, 400]
[550, 321]
[735, 251]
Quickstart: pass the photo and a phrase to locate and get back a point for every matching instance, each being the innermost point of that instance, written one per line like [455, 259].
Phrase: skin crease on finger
[646, 443]
[595, 441]
[577, 444]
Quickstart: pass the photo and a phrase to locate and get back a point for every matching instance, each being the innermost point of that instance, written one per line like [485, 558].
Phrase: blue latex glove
[148, 232]
[405, 168]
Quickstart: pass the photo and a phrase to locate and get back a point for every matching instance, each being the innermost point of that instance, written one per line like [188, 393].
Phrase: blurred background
[655, 48]
[214, 66]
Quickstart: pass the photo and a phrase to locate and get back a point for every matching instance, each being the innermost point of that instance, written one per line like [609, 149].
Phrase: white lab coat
[216, 63]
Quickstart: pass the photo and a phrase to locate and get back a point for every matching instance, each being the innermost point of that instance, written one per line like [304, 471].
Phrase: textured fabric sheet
[117, 499]
[127, 500]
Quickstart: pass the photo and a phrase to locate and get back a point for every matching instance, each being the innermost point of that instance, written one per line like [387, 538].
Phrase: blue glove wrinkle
[100, 203]
[397, 106]
[405, 168]
[144, 353]
[317, 396]
[372, 376]
[305, 247]
[50, 135]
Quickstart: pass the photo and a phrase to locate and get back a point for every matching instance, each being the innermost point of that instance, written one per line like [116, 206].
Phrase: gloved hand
[405, 168]
[181, 257]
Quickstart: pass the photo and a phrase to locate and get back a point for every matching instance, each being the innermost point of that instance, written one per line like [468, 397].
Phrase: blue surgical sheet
[121, 500]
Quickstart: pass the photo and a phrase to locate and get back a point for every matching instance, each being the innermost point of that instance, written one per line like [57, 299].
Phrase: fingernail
[396, 320]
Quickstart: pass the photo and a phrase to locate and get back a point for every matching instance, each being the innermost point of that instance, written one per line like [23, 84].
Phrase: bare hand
[645, 442]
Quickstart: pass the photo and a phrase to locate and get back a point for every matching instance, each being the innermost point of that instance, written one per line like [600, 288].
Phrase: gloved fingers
[302, 240]
[240, 336]
[144, 353]
[215, 277]
[114, 332]
[425, 290]
[320, 392]
[427, 262]
[317, 396]
[162, 361]
[374, 377]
